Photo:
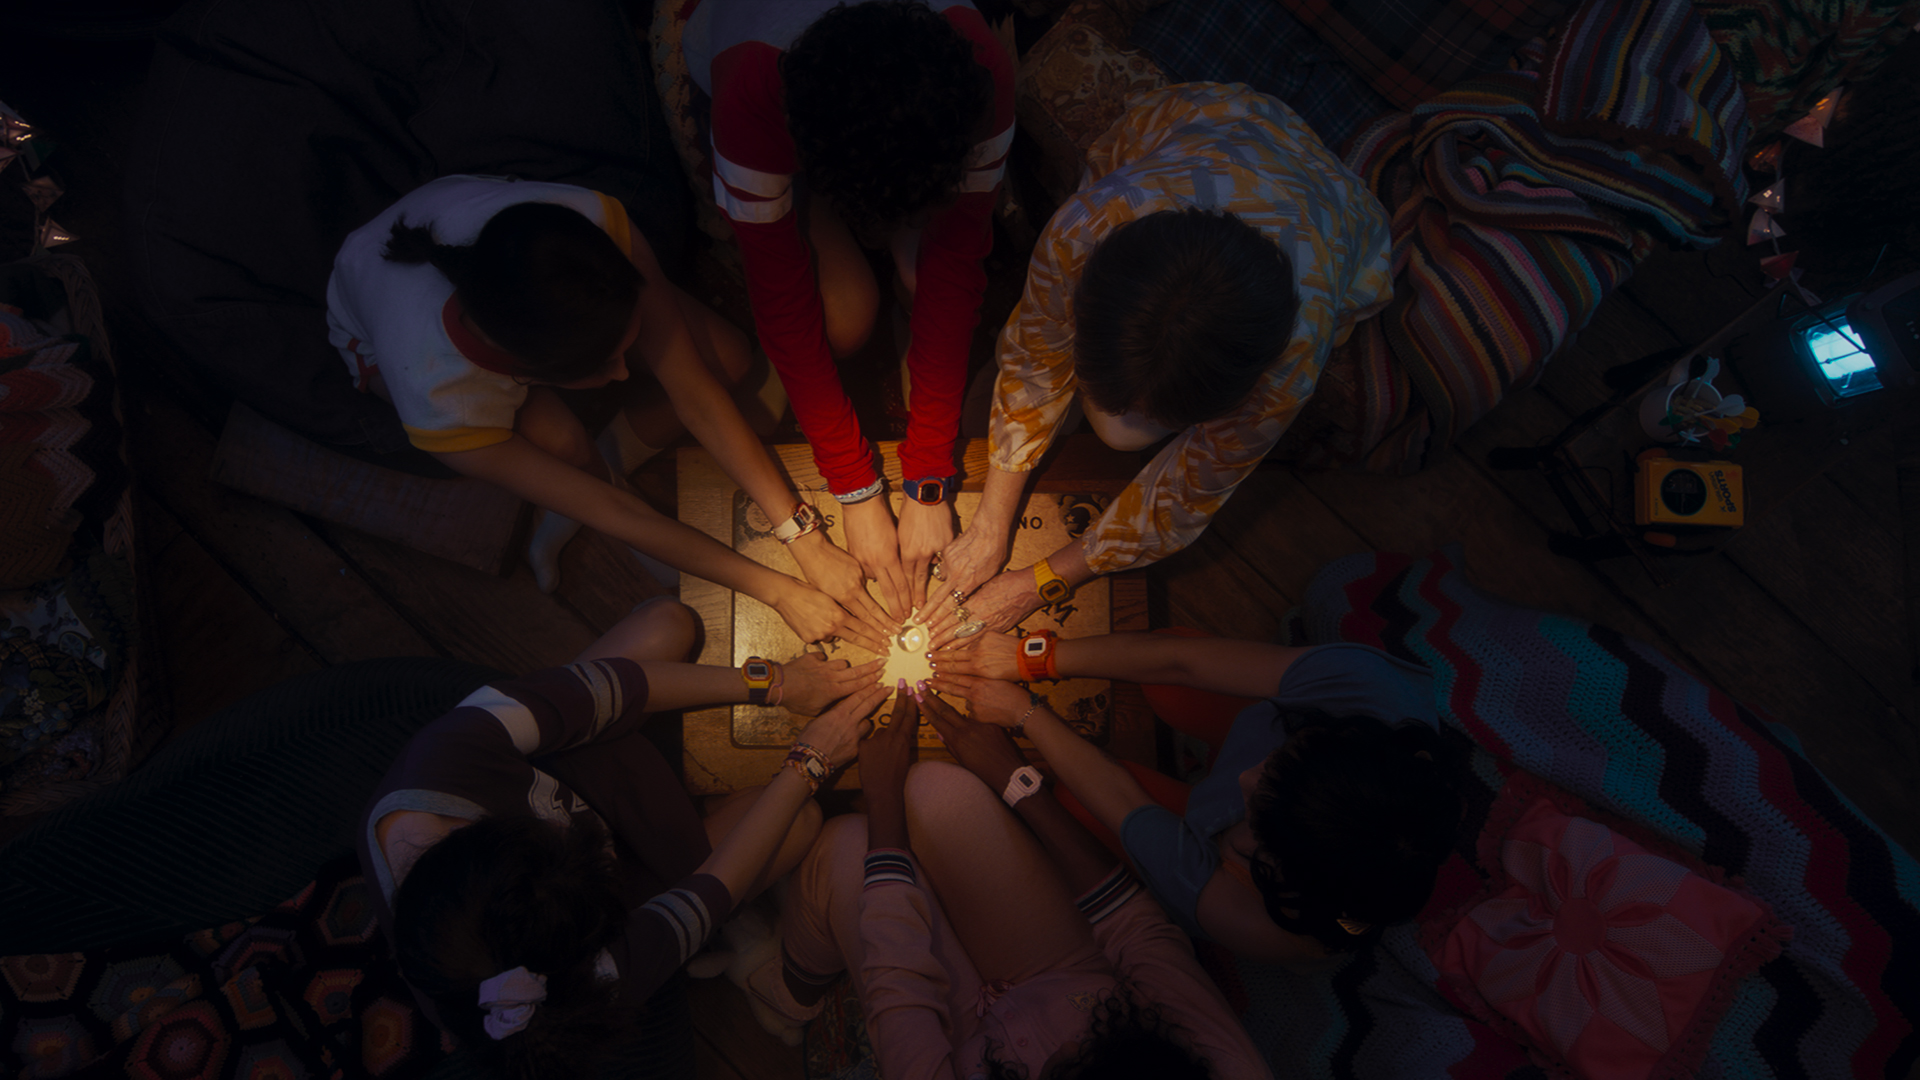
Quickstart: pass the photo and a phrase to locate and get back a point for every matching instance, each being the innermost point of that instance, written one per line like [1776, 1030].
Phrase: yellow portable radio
[1668, 491]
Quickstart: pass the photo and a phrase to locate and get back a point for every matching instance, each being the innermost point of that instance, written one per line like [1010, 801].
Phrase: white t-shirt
[387, 315]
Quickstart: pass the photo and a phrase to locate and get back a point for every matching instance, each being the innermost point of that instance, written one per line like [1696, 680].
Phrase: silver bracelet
[861, 495]
[1034, 701]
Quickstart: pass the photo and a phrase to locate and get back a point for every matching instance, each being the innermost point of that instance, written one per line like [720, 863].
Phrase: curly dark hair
[1353, 820]
[884, 101]
[509, 892]
[1180, 314]
[1124, 1041]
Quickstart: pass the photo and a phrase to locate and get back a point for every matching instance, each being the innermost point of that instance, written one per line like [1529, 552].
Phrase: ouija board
[727, 747]
[1046, 523]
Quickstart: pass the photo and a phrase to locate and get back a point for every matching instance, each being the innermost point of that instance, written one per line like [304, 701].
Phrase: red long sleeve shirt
[754, 163]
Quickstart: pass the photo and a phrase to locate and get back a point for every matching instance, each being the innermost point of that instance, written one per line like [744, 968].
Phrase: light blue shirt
[1177, 856]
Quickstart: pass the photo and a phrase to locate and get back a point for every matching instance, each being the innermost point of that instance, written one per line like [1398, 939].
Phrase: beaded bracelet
[810, 763]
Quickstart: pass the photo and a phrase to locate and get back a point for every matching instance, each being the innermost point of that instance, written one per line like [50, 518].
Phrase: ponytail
[415, 244]
[541, 280]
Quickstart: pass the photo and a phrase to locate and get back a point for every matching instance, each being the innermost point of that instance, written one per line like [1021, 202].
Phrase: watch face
[759, 670]
[930, 491]
[1034, 646]
[1054, 591]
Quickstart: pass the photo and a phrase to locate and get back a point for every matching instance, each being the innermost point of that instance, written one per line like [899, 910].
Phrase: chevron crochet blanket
[1617, 724]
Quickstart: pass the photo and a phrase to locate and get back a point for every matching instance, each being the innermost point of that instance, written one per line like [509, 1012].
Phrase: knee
[558, 433]
[838, 835]
[670, 629]
[940, 790]
[850, 307]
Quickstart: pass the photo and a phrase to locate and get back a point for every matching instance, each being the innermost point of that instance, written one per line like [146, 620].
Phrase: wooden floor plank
[1821, 547]
[1505, 548]
[1620, 332]
[502, 622]
[290, 567]
[217, 642]
[602, 581]
[1694, 293]
[710, 1064]
[1284, 531]
[721, 1017]
[1210, 587]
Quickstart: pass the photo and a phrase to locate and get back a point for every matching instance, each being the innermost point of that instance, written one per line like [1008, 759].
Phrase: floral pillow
[1607, 960]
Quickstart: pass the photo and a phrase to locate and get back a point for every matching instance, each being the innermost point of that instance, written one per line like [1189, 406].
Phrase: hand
[978, 554]
[991, 701]
[838, 731]
[990, 656]
[811, 682]
[872, 540]
[986, 751]
[885, 758]
[815, 617]
[924, 530]
[999, 605]
[838, 574]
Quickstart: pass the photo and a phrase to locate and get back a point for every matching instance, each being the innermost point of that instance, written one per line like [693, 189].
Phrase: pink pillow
[1607, 960]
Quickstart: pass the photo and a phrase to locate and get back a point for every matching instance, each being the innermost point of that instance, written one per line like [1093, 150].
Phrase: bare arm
[1222, 665]
[670, 349]
[544, 480]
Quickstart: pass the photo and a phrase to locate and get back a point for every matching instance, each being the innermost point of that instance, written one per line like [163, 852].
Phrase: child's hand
[838, 731]
[811, 682]
[886, 757]
[991, 701]
[838, 574]
[986, 751]
[815, 617]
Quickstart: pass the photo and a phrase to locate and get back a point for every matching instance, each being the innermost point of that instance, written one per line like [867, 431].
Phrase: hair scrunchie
[510, 999]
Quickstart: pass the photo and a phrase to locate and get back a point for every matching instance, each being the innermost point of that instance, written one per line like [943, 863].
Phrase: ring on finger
[934, 567]
[969, 629]
[958, 596]
[961, 614]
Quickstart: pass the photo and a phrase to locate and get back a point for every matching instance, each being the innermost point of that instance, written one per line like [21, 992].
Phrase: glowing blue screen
[1837, 353]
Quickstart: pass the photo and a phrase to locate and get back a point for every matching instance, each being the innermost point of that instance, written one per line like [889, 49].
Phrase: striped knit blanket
[1615, 723]
[1520, 200]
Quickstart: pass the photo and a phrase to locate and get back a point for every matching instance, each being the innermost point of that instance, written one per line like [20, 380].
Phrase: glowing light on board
[1847, 367]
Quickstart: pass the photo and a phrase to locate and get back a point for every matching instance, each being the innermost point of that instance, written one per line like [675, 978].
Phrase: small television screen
[1838, 355]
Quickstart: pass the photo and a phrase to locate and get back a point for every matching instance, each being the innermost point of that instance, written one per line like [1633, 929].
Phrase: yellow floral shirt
[1215, 146]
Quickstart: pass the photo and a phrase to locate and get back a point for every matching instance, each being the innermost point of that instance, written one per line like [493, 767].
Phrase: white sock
[550, 535]
[622, 448]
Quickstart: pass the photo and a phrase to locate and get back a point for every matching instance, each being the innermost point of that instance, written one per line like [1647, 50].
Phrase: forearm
[714, 420]
[1241, 668]
[1101, 783]
[745, 852]
[1082, 860]
[887, 821]
[1000, 502]
[687, 549]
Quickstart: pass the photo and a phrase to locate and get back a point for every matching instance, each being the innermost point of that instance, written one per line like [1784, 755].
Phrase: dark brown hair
[1179, 313]
[509, 892]
[1353, 819]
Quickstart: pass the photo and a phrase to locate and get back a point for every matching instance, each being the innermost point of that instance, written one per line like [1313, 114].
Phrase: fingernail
[903, 686]
[920, 690]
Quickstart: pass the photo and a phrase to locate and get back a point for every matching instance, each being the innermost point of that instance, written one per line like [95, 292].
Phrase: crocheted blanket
[1520, 200]
[1617, 724]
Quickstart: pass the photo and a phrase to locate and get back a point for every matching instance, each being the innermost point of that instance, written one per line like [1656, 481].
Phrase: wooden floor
[1803, 614]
